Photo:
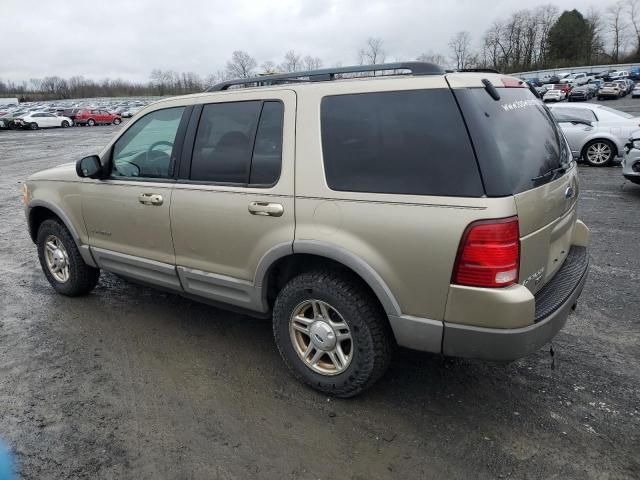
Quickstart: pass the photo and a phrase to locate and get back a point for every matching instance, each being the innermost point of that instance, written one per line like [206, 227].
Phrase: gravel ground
[132, 383]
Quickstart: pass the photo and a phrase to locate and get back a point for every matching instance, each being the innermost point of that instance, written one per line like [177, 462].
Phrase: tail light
[489, 254]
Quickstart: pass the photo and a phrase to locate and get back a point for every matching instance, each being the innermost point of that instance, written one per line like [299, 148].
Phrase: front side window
[145, 149]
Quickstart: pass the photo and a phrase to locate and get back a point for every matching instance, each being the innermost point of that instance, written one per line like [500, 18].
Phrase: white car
[635, 93]
[631, 159]
[131, 111]
[37, 120]
[619, 75]
[595, 133]
[576, 79]
[554, 95]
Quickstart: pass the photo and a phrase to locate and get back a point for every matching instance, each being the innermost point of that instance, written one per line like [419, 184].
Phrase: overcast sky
[128, 38]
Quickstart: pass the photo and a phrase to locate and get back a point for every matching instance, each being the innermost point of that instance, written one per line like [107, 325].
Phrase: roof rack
[328, 74]
[474, 70]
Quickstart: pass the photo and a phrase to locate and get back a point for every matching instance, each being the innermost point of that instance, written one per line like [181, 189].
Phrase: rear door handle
[266, 209]
[150, 199]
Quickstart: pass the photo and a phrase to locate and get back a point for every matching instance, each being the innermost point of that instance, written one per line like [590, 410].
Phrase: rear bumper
[553, 305]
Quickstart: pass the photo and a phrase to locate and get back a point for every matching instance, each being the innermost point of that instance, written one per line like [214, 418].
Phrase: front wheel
[33, 126]
[332, 333]
[598, 153]
[61, 261]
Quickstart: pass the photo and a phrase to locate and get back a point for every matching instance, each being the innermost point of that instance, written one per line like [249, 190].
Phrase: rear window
[406, 142]
[516, 138]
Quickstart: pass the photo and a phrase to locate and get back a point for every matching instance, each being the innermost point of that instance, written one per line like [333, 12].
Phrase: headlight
[636, 144]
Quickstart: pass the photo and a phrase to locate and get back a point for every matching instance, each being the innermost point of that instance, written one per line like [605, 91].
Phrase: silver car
[596, 133]
[631, 159]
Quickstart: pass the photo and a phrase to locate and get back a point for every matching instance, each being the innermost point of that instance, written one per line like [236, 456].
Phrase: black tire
[117, 121]
[82, 277]
[373, 342]
[612, 154]
[33, 126]
[91, 122]
[64, 124]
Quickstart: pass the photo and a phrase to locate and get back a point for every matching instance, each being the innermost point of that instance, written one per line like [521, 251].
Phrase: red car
[565, 87]
[96, 117]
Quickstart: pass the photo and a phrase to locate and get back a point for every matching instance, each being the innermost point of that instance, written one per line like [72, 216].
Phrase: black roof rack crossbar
[328, 74]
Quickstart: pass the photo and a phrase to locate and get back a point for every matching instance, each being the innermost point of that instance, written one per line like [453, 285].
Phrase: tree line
[528, 39]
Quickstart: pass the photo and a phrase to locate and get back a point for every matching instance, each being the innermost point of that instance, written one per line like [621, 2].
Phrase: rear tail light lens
[489, 254]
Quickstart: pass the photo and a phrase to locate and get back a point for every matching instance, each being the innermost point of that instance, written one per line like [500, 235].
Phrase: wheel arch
[40, 210]
[284, 262]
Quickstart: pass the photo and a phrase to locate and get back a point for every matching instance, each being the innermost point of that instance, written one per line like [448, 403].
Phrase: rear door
[519, 146]
[233, 204]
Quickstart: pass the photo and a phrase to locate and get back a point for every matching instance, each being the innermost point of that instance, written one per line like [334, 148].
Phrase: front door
[233, 204]
[127, 215]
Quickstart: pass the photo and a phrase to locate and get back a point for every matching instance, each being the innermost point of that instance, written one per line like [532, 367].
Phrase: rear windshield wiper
[561, 169]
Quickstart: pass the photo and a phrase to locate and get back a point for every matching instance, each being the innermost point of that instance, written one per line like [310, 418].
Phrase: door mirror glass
[89, 167]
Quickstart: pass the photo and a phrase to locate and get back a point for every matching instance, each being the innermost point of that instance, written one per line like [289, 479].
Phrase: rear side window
[573, 114]
[239, 143]
[405, 142]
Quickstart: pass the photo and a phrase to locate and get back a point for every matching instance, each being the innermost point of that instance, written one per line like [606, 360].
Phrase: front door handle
[266, 209]
[150, 199]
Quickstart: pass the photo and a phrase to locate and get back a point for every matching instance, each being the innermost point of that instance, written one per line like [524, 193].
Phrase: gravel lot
[132, 383]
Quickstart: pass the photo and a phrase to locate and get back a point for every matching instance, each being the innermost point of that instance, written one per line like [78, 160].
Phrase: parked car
[34, 121]
[630, 85]
[631, 159]
[542, 90]
[609, 90]
[495, 280]
[618, 75]
[97, 117]
[622, 84]
[580, 94]
[635, 93]
[595, 132]
[8, 119]
[576, 79]
[130, 112]
[554, 95]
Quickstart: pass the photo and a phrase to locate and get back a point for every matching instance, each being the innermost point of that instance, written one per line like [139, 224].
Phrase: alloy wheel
[57, 258]
[321, 337]
[598, 153]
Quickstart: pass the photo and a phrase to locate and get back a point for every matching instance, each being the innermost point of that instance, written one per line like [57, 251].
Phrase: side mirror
[89, 167]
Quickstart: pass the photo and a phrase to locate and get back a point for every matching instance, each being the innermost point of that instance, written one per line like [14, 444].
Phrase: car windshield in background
[516, 139]
[616, 112]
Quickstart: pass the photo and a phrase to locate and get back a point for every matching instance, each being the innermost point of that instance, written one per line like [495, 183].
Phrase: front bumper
[552, 307]
[631, 157]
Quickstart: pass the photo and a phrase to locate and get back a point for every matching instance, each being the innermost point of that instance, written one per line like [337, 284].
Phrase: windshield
[515, 138]
[616, 112]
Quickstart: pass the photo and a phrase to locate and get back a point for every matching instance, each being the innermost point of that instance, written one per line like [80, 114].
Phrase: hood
[66, 171]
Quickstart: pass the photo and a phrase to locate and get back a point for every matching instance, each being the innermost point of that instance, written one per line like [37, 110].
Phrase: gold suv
[436, 211]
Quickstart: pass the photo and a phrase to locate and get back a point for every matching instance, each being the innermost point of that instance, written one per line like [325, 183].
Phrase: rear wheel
[91, 122]
[332, 333]
[116, 121]
[598, 153]
[61, 261]
[64, 124]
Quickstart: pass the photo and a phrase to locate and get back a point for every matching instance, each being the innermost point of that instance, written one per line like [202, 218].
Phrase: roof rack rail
[478, 70]
[328, 74]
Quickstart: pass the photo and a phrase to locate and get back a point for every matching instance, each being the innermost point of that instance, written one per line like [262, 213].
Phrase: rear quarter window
[404, 142]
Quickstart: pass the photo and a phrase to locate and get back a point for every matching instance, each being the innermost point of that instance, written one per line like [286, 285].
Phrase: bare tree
[241, 65]
[595, 49]
[292, 62]
[372, 53]
[268, 67]
[634, 17]
[546, 16]
[432, 58]
[617, 28]
[460, 45]
[311, 63]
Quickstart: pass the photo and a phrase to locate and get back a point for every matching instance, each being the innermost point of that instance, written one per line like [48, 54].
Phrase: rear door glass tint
[403, 142]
